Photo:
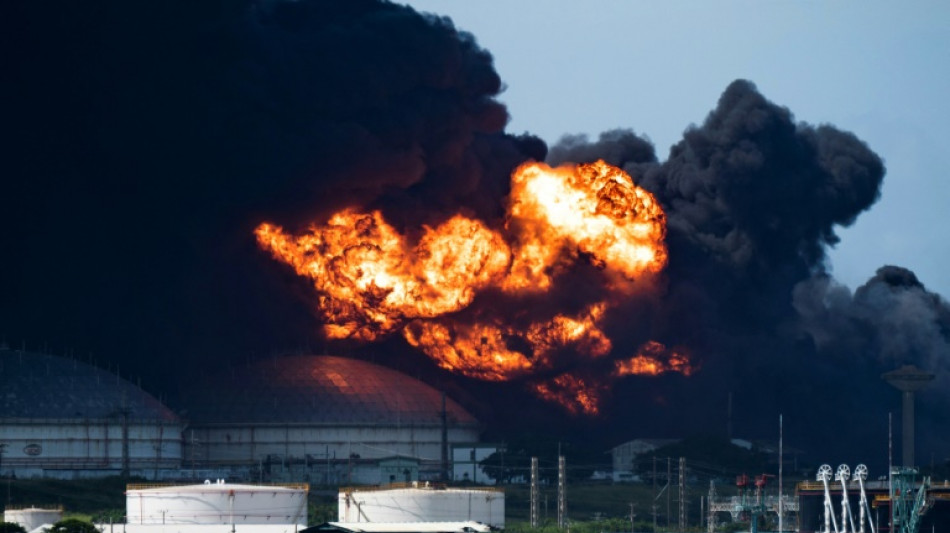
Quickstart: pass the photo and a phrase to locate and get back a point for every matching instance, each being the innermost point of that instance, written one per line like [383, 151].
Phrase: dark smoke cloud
[149, 138]
[892, 319]
[753, 201]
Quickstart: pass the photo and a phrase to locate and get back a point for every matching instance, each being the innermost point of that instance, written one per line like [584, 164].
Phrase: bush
[10, 527]
[73, 525]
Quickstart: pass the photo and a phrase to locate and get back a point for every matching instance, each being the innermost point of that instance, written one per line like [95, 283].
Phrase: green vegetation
[89, 496]
[320, 511]
[10, 527]
[73, 525]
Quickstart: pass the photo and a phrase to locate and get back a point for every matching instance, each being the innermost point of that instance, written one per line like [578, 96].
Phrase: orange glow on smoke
[373, 281]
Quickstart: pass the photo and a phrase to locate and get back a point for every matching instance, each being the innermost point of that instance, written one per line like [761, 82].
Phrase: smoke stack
[908, 379]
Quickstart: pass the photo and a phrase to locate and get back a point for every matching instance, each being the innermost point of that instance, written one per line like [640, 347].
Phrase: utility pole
[561, 492]
[669, 479]
[534, 492]
[682, 502]
[654, 478]
[702, 511]
[654, 492]
[633, 516]
[781, 509]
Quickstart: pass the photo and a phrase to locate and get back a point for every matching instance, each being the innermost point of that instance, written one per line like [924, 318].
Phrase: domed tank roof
[320, 390]
[38, 386]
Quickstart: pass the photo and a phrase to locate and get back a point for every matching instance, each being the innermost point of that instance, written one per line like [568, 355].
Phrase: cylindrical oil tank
[217, 503]
[32, 517]
[423, 504]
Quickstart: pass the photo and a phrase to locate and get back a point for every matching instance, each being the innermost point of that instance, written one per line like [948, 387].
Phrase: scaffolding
[908, 501]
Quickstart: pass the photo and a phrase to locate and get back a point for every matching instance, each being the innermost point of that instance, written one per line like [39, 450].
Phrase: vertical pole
[632, 516]
[781, 511]
[702, 511]
[682, 494]
[654, 492]
[669, 481]
[907, 442]
[890, 458]
[654, 477]
[534, 492]
[561, 492]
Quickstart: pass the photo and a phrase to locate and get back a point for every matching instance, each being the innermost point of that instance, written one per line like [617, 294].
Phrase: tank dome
[320, 390]
[38, 386]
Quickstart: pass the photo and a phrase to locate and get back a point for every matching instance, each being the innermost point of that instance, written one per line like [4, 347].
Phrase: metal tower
[908, 379]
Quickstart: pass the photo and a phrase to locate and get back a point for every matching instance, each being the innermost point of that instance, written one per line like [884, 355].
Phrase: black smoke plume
[150, 138]
[147, 139]
[753, 199]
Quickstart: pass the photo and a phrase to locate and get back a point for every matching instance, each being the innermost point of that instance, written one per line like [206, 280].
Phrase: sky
[877, 69]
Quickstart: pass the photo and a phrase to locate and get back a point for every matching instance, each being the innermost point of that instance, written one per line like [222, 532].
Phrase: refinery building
[305, 418]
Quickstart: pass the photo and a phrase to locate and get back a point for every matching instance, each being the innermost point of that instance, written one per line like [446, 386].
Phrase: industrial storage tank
[63, 418]
[32, 517]
[279, 508]
[423, 503]
[323, 419]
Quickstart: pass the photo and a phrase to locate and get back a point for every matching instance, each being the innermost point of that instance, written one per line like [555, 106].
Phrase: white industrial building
[322, 419]
[32, 518]
[62, 418]
[625, 455]
[422, 502]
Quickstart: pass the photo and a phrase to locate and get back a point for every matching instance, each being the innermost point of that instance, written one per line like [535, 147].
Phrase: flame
[576, 395]
[594, 209]
[369, 278]
[654, 359]
[373, 281]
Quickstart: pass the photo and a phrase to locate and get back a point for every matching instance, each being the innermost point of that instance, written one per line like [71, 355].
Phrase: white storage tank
[423, 503]
[32, 517]
[218, 503]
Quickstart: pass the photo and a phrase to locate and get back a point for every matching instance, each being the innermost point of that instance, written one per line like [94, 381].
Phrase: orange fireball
[372, 281]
